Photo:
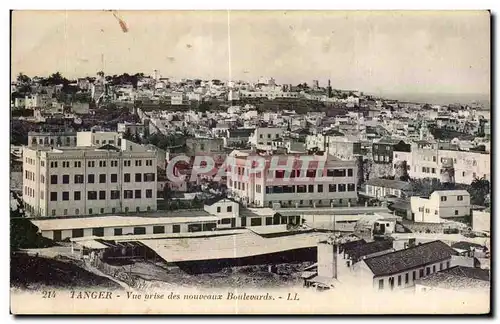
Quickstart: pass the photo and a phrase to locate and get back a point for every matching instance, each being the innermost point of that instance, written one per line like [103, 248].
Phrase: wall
[481, 221]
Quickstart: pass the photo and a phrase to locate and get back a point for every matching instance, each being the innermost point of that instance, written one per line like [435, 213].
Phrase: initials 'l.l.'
[295, 297]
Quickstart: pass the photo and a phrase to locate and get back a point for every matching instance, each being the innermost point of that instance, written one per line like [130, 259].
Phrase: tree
[479, 191]
[23, 78]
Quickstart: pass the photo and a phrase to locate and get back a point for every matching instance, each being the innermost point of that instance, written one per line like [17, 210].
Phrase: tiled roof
[362, 250]
[410, 258]
[458, 278]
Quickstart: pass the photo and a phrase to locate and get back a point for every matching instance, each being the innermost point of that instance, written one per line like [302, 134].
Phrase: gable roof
[351, 244]
[362, 250]
[410, 258]
[464, 245]
[458, 278]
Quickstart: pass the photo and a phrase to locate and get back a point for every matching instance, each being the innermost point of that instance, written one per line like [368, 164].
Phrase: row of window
[101, 163]
[459, 198]
[428, 271]
[229, 209]
[79, 178]
[99, 195]
[381, 158]
[291, 203]
[436, 212]
[93, 211]
[341, 187]
[269, 135]
[281, 174]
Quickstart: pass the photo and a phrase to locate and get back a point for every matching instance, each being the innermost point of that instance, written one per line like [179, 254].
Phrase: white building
[427, 160]
[89, 180]
[442, 204]
[263, 136]
[275, 187]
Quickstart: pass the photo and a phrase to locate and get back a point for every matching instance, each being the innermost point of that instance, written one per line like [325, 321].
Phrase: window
[139, 230]
[176, 228]
[53, 179]
[78, 178]
[53, 164]
[158, 229]
[114, 178]
[444, 198]
[218, 209]
[440, 266]
[53, 196]
[460, 198]
[301, 188]
[434, 159]
[456, 212]
[91, 164]
[138, 177]
[320, 188]
[90, 178]
[427, 271]
[92, 195]
[126, 177]
[114, 163]
[149, 177]
[229, 209]
[310, 188]
[433, 268]
[414, 275]
[77, 195]
[381, 284]
[118, 231]
[102, 178]
[258, 188]
[128, 194]
[332, 187]
[126, 163]
[115, 194]
[54, 214]
[427, 210]
[339, 173]
[102, 164]
[138, 194]
[351, 187]
[65, 178]
[65, 195]
[77, 211]
[102, 195]
[77, 232]
[447, 264]
[149, 193]
[225, 221]
[421, 273]
[99, 231]
[349, 172]
[138, 162]
[255, 221]
[77, 164]
[433, 170]
[113, 210]
[150, 162]
[342, 187]
[399, 280]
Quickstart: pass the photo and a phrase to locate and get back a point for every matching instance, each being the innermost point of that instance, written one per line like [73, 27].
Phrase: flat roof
[230, 246]
[114, 221]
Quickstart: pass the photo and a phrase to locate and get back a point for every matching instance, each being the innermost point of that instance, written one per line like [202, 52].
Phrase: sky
[371, 51]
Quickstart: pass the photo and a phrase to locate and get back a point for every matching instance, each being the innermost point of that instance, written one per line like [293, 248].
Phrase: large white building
[428, 160]
[89, 180]
[442, 204]
[269, 189]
